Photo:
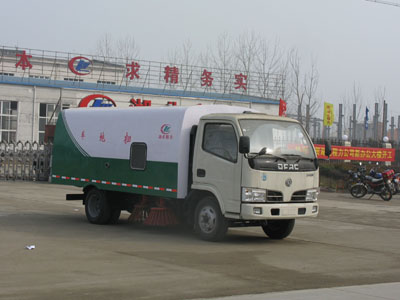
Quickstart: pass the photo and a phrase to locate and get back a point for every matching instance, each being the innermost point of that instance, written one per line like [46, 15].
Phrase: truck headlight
[254, 195]
[312, 195]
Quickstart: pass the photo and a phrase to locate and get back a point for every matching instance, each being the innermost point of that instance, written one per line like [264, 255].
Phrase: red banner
[357, 153]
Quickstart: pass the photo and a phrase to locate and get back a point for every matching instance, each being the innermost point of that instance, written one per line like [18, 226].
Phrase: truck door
[217, 165]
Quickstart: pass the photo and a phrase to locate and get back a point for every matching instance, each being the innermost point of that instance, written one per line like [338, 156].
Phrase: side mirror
[328, 148]
[244, 144]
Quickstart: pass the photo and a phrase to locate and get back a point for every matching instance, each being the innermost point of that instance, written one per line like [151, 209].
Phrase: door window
[220, 140]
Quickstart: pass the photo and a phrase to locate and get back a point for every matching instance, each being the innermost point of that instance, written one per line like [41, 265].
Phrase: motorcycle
[371, 185]
[354, 177]
[392, 178]
[396, 183]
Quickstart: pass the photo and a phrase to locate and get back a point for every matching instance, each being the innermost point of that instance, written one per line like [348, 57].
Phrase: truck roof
[246, 115]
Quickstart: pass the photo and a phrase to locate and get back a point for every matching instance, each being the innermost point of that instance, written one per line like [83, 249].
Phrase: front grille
[299, 196]
[274, 196]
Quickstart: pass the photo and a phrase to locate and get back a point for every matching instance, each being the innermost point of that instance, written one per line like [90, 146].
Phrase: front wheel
[386, 194]
[358, 190]
[209, 223]
[278, 229]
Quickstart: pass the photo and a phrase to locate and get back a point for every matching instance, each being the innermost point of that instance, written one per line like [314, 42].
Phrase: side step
[70, 197]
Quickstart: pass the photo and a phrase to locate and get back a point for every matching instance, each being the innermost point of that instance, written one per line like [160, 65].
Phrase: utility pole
[376, 118]
[350, 129]
[340, 121]
[392, 128]
[354, 121]
[384, 120]
[398, 129]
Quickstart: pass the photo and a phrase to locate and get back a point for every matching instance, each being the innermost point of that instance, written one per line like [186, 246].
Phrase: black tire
[358, 190]
[97, 208]
[386, 194]
[209, 223]
[278, 229]
[114, 216]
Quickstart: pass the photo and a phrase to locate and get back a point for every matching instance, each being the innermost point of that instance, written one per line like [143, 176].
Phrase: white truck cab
[260, 169]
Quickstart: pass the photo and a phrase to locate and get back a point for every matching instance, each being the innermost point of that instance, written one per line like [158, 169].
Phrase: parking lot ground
[351, 242]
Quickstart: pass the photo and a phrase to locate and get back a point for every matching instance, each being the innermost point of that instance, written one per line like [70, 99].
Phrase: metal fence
[25, 161]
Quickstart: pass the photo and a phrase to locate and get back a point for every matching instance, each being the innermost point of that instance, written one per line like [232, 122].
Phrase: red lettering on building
[241, 81]
[132, 70]
[171, 74]
[138, 102]
[24, 61]
[206, 79]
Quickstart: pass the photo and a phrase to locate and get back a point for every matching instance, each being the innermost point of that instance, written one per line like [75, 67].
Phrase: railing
[25, 161]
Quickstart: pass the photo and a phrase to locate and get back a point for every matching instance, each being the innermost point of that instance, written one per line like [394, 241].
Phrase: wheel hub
[207, 219]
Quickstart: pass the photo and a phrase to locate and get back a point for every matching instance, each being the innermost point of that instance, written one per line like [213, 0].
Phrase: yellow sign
[328, 114]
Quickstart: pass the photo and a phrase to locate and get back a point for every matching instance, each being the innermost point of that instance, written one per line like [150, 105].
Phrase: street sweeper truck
[211, 166]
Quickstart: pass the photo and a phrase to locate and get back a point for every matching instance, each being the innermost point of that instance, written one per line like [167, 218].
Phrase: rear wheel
[278, 229]
[386, 194]
[209, 223]
[358, 190]
[98, 209]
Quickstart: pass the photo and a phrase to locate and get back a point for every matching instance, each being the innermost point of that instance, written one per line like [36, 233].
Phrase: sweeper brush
[140, 211]
[161, 215]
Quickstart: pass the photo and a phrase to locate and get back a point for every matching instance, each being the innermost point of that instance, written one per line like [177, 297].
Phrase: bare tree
[270, 69]
[186, 58]
[297, 82]
[127, 48]
[246, 49]
[304, 85]
[311, 86]
[222, 59]
[105, 46]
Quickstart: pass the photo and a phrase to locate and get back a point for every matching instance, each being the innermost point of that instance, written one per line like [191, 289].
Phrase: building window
[73, 79]
[45, 114]
[39, 76]
[8, 121]
[105, 82]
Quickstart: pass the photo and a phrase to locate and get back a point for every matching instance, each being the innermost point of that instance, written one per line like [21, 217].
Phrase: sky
[353, 42]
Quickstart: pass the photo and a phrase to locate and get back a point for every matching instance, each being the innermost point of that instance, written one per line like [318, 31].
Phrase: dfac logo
[97, 100]
[165, 132]
[79, 65]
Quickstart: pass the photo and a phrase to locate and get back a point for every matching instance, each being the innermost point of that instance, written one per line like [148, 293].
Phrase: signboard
[328, 114]
[79, 65]
[119, 71]
[97, 100]
[357, 153]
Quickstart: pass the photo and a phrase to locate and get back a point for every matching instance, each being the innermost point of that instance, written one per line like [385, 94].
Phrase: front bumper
[263, 211]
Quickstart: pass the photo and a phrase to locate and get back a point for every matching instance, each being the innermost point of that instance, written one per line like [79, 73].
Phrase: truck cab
[258, 170]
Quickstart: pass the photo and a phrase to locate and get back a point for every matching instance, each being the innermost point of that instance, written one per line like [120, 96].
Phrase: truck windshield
[281, 138]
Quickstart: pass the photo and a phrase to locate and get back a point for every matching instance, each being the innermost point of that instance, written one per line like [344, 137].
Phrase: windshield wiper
[263, 151]
[299, 157]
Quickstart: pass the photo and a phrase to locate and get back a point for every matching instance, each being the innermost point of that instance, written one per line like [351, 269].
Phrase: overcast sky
[352, 41]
